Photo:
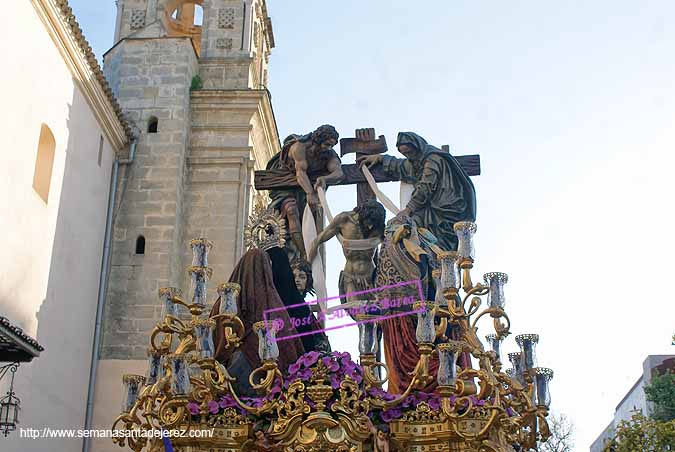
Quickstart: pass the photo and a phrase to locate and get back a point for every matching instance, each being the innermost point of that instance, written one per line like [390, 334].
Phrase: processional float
[327, 402]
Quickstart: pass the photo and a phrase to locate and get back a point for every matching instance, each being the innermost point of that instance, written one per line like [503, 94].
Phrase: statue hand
[370, 160]
[313, 200]
[320, 182]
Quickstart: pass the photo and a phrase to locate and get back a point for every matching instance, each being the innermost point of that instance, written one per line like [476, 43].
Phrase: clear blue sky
[571, 106]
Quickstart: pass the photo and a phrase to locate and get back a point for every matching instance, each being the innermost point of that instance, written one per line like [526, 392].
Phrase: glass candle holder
[528, 345]
[449, 269]
[465, 231]
[426, 329]
[180, 376]
[200, 252]
[495, 281]
[267, 341]
[367, 335]
[155, 370]
[440, 298]
[203, 330]
[132, 389]
[228, 293]
[495, 344]
[448, 353]
[194, 371]
[166, 295]
[516, 362]
[199, 277]
[542, 377]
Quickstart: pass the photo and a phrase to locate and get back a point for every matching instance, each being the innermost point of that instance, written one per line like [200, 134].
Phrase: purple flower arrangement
[331, 368]
[339, 366]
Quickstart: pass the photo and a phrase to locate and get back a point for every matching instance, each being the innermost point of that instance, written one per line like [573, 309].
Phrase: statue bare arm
[297, 153]
[335, 174]
[328, 233]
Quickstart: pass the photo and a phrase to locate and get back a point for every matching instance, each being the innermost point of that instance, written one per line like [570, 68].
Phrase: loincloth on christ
[356, 283]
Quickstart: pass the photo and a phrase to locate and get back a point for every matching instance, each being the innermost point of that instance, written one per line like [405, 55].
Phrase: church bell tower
[192, 75]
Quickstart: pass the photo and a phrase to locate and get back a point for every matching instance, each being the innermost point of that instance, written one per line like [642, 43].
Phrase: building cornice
[254, 100]
[67, 35]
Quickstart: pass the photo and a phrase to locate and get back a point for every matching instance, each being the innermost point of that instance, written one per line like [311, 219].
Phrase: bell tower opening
[185, 18]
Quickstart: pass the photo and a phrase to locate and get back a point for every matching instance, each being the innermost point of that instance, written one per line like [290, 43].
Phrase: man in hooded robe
[443, 193]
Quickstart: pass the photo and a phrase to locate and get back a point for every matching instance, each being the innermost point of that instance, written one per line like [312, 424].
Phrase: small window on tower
[153, 124]
[199, 16]
[140, 245]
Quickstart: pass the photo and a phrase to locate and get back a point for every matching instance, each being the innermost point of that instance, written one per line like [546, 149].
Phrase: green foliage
[642, 434]
[197, 83]
[661, 392]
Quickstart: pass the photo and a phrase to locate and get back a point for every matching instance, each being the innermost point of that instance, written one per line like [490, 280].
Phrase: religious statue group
[285, 261]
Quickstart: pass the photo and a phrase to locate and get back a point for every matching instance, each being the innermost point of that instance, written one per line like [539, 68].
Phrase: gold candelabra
[485, 408]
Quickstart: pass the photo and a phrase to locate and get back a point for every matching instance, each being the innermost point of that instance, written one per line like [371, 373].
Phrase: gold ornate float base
[319, 437]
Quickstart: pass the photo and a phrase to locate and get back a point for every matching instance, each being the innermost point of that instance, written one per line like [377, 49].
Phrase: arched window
[153, 124]
[199, 16]
[44, 163]
[140, 245]
[190, 13]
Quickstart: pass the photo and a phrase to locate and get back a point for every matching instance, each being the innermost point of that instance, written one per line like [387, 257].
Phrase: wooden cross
[363, 144]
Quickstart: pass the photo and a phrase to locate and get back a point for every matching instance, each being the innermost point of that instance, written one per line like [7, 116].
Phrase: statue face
[300, 278]
[328, 144]
[409, 152]
[260, 435]
[381, 435]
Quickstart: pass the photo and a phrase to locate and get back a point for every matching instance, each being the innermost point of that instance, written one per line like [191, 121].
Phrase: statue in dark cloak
[443, 193]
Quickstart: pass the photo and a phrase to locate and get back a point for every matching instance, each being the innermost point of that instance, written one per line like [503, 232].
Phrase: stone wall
[152, 79]
[223, 154]
[192, 178]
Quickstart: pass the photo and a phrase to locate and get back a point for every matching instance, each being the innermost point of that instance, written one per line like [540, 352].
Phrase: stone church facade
[192, 75]
[178, 120]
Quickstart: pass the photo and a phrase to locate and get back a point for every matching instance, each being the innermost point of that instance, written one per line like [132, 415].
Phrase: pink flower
[309, 359]
[476, 401]
[349, 366]
[213, 407]
[335, 381]
[355, 376]
[342, 355]
[305, 374]
[227, 401]
[392, 414]
[332, 366]
[293, 368]
[193, 408]
[423, 396]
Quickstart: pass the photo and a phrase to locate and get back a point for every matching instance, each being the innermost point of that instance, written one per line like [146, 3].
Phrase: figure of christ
[360, 231]
[305, 156]
[443, 193]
